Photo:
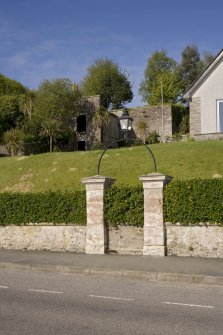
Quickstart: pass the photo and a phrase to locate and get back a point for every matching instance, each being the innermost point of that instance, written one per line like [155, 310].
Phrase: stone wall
[205, 137]
[195, 116]
[125, 240]
[42, 237]
[153, 118]
[202, 241]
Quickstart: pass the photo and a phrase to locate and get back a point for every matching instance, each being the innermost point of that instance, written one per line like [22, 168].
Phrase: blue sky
[48, 39]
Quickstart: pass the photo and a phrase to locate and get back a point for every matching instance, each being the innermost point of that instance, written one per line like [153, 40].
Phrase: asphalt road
[56, 304]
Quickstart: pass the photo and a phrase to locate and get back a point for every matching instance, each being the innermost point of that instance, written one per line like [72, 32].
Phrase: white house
[206, 101]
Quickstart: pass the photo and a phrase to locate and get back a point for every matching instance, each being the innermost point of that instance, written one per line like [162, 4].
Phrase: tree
[105, 78]
[10, 87]
[50, 128]
[142, 129]
[160, 78]
[190, 66]
[13, 139]
[10, 113]
[56, 103]
[207, 59]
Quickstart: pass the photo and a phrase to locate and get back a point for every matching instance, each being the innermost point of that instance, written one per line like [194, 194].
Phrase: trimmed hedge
[53, 207]
[124, 206]
[194, 201]
[187, 202]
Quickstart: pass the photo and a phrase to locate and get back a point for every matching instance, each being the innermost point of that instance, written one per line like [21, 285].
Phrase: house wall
[209, 91]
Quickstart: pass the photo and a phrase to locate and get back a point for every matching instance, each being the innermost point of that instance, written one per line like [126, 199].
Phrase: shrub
[53, 207]
[153, 138]
[124, 206]
[194, 201]
[13, 139]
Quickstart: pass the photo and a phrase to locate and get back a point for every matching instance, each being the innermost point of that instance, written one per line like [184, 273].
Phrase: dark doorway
[81, 145]
[81, 123]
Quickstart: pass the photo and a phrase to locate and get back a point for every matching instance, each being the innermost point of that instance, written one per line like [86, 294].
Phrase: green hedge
[54, 207]
[187, 202]
[194, 201]
[124, 206]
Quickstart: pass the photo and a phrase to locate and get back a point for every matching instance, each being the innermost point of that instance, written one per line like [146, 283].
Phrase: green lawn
[63, 171]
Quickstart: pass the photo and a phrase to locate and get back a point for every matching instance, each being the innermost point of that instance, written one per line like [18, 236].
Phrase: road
[45, 303]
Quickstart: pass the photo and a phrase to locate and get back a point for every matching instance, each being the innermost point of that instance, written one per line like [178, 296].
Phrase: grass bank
[63, 171]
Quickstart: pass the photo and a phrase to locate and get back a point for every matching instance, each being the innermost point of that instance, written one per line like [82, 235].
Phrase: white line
[43, 291]
[113, 298]
[190, 305]
[3, 286]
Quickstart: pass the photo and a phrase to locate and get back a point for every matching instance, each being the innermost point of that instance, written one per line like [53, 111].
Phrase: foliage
[180, 119]
[106, 79]
[124, 206]
[177, 137]
[194, 201]
[50, 128]
[10, 87]
[142, 129]
[56, 102]
[97, 145]
[192, 65]
[160, 78]
[101, 118]
[13, 139]
[185, 201]
[153, 138]
[10, 114]
[52, 207]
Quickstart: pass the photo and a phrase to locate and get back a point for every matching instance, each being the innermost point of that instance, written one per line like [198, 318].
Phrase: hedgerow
[52, 207]
[187, 202]
[124, 206]
[194, 201]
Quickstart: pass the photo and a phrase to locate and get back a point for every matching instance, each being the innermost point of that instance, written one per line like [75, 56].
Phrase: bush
[52, 207]
[153, 138]
[124, 206]
[13, 139]
[194, 201]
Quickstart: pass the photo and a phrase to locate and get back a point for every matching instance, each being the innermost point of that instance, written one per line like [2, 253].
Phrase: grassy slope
[63, 171]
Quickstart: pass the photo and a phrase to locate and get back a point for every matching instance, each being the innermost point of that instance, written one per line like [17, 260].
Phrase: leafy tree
[191, 66]
[105, 78]
[13, 139]
[10, 87]
[142, 129]
[50, 128]
[160, 78]
[10, 113]
[207, 59]
[56, 103]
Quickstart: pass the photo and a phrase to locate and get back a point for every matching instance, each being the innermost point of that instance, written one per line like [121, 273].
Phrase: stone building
[161, 120]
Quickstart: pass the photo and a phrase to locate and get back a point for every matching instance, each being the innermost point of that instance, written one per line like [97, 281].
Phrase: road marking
[190, 305]
[44, 291]
[112, 298]
[4, 287]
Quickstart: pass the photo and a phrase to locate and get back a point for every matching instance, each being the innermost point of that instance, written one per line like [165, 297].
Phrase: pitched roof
[203, 75]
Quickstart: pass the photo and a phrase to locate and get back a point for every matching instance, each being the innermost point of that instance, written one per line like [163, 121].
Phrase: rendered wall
[209, 91]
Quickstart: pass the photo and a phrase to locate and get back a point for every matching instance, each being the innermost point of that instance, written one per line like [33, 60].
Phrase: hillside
[63, 171]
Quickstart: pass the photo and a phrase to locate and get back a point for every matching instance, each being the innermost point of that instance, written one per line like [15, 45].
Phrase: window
[220, 116]
[81, 123]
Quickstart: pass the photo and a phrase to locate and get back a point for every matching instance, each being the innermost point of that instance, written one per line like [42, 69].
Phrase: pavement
[192, 270]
